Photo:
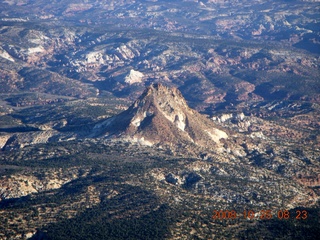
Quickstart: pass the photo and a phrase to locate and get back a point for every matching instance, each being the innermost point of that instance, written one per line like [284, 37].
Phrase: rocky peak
[159, 91]
[161, 116]
[159, 99]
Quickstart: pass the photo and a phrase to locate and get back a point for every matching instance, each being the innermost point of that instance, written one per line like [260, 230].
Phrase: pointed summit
[161, 116]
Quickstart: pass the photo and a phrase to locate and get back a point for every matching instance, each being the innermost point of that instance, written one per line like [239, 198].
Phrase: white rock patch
[36, 50]
[95, 57]
[136, 122]
[5, 55]
[142, 141]
[217, 134]
[179, 121]
[3, 140]
[134, 77]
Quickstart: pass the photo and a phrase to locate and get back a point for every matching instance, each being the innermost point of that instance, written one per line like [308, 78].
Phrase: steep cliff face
[161, 115]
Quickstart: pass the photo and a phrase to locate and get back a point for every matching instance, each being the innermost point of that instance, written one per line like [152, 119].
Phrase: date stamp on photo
[262, 214]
